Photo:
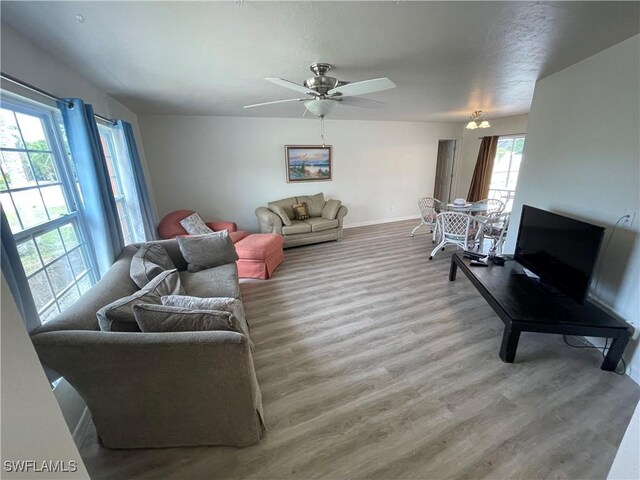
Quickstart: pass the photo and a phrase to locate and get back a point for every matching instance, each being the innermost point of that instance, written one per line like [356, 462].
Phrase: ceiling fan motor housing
[321, 83]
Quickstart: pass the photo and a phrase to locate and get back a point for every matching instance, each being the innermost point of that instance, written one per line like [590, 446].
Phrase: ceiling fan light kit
[478, 119]
[325, 92]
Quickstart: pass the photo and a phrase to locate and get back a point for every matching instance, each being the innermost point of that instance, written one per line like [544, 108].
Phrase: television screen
[560, 250]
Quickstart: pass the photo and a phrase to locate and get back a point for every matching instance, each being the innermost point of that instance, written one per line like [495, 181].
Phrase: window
[39, 199]
[506, 166]
[121, 177]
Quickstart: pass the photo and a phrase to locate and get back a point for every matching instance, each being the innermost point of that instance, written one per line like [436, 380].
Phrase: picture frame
[308, 163]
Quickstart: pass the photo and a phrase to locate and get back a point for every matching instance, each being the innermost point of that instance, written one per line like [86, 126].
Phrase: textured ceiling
[210, 58]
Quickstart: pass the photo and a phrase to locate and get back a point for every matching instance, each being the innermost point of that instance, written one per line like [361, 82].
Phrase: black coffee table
[524, 307]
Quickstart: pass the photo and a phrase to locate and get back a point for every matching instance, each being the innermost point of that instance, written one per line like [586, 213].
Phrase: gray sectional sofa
[324, 224]
[157, 389]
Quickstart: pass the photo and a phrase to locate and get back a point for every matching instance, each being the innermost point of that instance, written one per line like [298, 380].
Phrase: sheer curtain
[481, 181]
[99, 205]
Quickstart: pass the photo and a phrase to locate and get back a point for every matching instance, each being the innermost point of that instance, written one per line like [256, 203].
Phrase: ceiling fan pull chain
[322, 129]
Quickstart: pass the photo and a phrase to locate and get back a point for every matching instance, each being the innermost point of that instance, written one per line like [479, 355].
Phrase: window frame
[505, 194]
[50, 119]
[120, 199]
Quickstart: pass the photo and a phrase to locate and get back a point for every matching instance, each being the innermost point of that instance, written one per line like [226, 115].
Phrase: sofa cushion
[319, 224]
[314, 202]
[118, 316]
[297, 226]
[330, 210]
[207, 251]
[286, 206]
[225, 304]
[162, 318]
[194, 225]
[219, 281]
[150, 260]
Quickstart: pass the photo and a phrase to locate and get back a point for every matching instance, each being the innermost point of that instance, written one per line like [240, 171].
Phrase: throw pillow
[150, 260]
[225, 304]
[330, 209]
[278, 210]
[315, 203]
[162, 318]
[118, 316]
[207, 251]
[194, 225]
[300, 210]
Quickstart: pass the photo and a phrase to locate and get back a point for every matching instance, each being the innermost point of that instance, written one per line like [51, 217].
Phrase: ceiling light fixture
[478, 119]
[320, 107]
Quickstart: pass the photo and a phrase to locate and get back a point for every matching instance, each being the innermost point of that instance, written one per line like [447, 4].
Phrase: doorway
[444, 170]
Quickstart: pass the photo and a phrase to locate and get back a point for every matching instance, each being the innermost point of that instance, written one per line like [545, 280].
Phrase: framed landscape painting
[308, 163]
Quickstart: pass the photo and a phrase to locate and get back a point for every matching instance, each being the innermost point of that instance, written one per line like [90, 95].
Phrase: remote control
[474, 254]
[477, 263]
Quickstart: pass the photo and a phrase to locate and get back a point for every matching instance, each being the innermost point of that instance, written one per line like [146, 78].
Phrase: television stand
[524, 308]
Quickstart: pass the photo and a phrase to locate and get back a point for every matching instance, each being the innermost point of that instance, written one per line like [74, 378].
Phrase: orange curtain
[479, 189]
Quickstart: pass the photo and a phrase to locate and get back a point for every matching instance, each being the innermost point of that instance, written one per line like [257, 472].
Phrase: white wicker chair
[456, 229]
[495, 228]
[494, 206]
[428, 212]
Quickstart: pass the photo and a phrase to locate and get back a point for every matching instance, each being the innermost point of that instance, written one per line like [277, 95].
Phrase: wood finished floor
[373, 365]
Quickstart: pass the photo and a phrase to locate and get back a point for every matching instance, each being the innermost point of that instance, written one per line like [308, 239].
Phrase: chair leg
[414, 230]
[435, 250]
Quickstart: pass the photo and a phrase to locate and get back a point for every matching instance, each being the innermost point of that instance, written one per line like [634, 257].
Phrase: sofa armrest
[268, 221]
[342, 212]
[161, 389]
[219, 226]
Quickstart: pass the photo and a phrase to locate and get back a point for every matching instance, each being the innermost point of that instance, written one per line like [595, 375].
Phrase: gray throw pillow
[194, 225]
[162, 318]
[225, 304]
[118, 316]
[278, 210]
[314, 202]
[150, 260]
[207, 251]
[330, 209]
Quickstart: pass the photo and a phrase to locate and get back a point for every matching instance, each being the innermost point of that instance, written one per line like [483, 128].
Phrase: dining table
[472, 208]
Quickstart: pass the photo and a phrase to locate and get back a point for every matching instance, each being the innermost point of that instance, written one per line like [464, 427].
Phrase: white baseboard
[81, 429]
[384, 220]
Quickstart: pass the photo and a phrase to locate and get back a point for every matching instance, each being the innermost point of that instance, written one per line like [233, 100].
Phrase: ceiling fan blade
[361, 102]
[291, 86]
[277, 101]
[361, 88]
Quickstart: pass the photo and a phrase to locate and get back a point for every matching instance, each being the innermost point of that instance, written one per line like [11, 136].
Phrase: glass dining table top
[467, 208]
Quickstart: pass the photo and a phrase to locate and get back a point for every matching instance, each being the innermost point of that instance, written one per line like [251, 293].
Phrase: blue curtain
[100, 209]
[16, 278]
[147, 211]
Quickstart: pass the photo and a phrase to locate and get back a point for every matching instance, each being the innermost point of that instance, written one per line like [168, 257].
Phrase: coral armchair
[169, 226]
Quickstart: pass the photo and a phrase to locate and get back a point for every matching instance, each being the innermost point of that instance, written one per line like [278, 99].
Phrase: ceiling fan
[324, 92]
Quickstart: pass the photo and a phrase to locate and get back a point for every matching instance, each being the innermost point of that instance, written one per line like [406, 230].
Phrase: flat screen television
[562, 251]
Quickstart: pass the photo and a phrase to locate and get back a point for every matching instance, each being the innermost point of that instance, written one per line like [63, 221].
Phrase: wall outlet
[630, 217]
[636, 333]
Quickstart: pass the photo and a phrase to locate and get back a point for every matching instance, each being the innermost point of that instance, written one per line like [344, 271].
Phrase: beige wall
[226, 167]
[33, 427]
[582, 159]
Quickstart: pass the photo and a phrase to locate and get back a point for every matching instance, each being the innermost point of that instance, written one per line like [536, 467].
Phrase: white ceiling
[210, 58]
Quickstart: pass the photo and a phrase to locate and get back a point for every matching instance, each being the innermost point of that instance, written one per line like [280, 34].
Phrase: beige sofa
[157, 389]
[324, 224]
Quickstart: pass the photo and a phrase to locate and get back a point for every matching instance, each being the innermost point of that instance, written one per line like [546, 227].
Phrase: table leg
[453, 269]
[510, 338]
[614, 354]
